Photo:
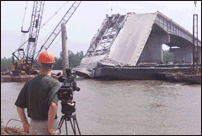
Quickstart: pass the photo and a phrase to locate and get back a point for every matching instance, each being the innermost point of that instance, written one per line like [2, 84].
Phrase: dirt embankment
[6, 130]
[11, 131]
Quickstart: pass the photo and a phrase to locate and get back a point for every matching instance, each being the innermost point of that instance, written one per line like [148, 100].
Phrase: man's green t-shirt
[37, 95]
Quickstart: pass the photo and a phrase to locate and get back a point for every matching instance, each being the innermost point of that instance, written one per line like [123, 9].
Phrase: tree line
[74, 60]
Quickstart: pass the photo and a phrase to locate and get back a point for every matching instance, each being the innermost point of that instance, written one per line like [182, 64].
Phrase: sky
[85, 22]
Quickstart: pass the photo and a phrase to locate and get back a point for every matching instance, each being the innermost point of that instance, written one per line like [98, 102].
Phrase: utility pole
[195, 37]
[65, 61]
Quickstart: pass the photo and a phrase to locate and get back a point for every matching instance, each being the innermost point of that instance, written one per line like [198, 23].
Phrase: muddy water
[124, 107]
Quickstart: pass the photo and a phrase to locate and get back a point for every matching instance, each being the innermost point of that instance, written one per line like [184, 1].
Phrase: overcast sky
[85, 22]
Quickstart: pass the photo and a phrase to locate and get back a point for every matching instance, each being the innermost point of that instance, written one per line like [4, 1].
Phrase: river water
[141, 107]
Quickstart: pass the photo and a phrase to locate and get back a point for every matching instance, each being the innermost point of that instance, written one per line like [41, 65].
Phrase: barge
[10, 78]
[106, 72]
[186, 77]
[20, 78]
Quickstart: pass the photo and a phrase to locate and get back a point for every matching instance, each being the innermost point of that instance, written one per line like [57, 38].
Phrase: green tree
[167, 56]
[58, 63]
[74, 60]
[6, 63]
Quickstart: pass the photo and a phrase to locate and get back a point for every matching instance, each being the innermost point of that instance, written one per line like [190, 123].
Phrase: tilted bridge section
[131, 39]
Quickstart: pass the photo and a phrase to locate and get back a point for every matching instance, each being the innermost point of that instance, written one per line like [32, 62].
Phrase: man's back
[37, 95]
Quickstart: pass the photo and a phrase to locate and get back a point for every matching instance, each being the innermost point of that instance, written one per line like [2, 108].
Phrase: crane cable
[53, 15]
[45, 22]
[24, 16]
[51, 18]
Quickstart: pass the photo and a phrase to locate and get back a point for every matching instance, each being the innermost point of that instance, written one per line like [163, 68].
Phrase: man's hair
[45, 66]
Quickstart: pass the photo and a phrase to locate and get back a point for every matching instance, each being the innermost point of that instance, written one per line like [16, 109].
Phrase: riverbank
[11, 131]
[5, 130]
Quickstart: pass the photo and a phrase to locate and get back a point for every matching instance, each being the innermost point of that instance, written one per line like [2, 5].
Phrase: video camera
[65, 93]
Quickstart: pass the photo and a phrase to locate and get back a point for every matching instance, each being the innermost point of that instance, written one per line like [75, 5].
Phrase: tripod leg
[60, 123]
[77, 126]
[73, 127]
[66, 126]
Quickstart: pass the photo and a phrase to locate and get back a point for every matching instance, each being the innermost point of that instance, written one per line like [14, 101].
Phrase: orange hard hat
[46, 57]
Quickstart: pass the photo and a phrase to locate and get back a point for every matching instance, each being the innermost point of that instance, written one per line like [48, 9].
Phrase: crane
[25, 57]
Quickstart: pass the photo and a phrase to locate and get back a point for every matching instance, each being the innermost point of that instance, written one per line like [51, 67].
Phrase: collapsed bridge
[131, 39]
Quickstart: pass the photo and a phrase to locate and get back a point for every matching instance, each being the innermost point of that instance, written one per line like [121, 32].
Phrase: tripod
[68, 117]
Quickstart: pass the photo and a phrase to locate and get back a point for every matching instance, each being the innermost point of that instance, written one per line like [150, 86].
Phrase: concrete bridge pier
[180, 53]
[153, 52]
[186, 53]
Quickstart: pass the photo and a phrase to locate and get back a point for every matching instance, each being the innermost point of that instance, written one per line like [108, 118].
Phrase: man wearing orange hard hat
[38, 95]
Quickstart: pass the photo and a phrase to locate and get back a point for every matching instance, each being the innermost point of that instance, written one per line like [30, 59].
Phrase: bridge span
[132, 39]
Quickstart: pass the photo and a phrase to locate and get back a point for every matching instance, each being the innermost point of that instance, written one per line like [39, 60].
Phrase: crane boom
[34, 31]
[26, 56]
[57, 29]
